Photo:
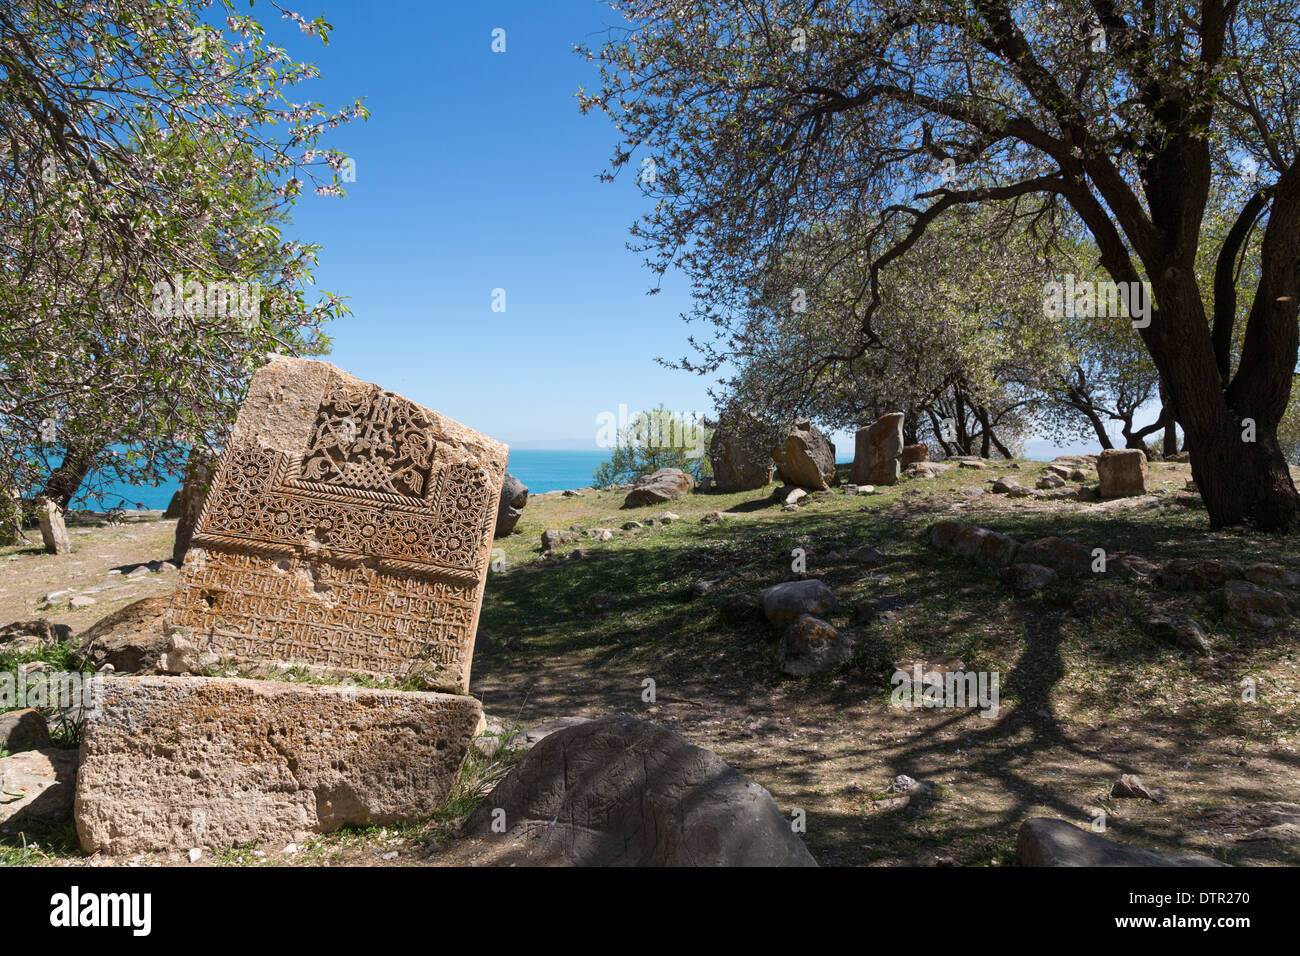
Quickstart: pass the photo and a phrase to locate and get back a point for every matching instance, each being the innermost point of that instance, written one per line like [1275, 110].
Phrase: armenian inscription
[347, 529]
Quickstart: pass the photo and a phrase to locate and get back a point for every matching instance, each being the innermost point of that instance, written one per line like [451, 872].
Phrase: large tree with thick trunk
[751, 122]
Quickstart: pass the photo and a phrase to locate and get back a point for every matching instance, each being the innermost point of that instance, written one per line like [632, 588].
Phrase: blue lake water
[539, 469]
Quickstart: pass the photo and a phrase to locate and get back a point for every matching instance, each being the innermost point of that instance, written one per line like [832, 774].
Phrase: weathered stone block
[180, 762]
[1123, 471]
[347, 529]
[876, 451]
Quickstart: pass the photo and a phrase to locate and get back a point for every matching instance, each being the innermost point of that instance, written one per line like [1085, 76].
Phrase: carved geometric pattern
[363, 550]
[370, 439]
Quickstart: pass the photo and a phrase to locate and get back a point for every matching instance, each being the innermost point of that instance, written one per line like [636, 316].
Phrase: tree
[653, 440]
[150, 160]
[759, 119]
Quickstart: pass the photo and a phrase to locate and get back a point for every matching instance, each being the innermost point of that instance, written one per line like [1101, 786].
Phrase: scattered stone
[1047, 842]
[1049, 481]
[514, 497]
[619, 791]
[1271, 576]
[925, 469]
[784, 603]
[1198, 574]
[1250, 605]
[1009, 486]
[261, 761]
[37, 788]
[810, 646]
[1130, 786]
[19, 637]
[532, 736]
[1123, 472]
[942, 533]
[1177, 628]
[632, 525]
[876, 451]
[866, 490]
[80, 601]
[552, 539]
[195, 854]
[1025, 577]
[599, 534]
[788, 495]
[54, 533]
[1134, 568]
[1060, 554]
[23, 730]
[711, 517]
[806, 457]
[972, 463]
[659, 487]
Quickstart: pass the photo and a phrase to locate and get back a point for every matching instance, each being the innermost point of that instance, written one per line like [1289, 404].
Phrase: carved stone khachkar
[347, 529]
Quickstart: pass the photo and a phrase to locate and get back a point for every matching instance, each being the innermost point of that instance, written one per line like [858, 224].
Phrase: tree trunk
[65, 481]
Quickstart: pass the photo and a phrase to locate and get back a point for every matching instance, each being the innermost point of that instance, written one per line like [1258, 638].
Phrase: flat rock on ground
[1046, 842]
[622, 792]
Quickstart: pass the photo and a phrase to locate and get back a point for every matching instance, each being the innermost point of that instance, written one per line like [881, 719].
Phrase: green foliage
[653, 440]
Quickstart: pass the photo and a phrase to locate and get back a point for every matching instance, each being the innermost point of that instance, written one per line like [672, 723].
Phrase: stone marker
[514, 496]
[806, 457]
[876, 451]
[347, 529]
[172, 763]
[53, 531]
[911, 454]
[187, 504]
[1123, 471]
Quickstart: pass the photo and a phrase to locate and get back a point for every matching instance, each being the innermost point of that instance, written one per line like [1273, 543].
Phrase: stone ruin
[348, 531]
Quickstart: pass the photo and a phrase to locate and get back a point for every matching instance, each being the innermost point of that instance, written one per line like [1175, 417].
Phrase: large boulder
[171, 763]
[784, 603]
[1043, 841]
[736, 453]
[130, 639]
[806, 457]
[1123, 471]
[658, 487]
[622, 792]
[876, 451]
[514, 495]
[36, 788]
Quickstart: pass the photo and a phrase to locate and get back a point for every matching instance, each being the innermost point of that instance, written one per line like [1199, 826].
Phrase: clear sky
[476, 172]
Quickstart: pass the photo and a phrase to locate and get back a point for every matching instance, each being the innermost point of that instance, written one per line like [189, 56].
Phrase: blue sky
[475, 172]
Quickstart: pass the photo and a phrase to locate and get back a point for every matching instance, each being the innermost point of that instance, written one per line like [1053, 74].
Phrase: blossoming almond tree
[752, 120]
[149, 146]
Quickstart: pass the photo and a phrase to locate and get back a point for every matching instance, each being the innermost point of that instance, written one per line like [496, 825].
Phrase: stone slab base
[172, 763]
